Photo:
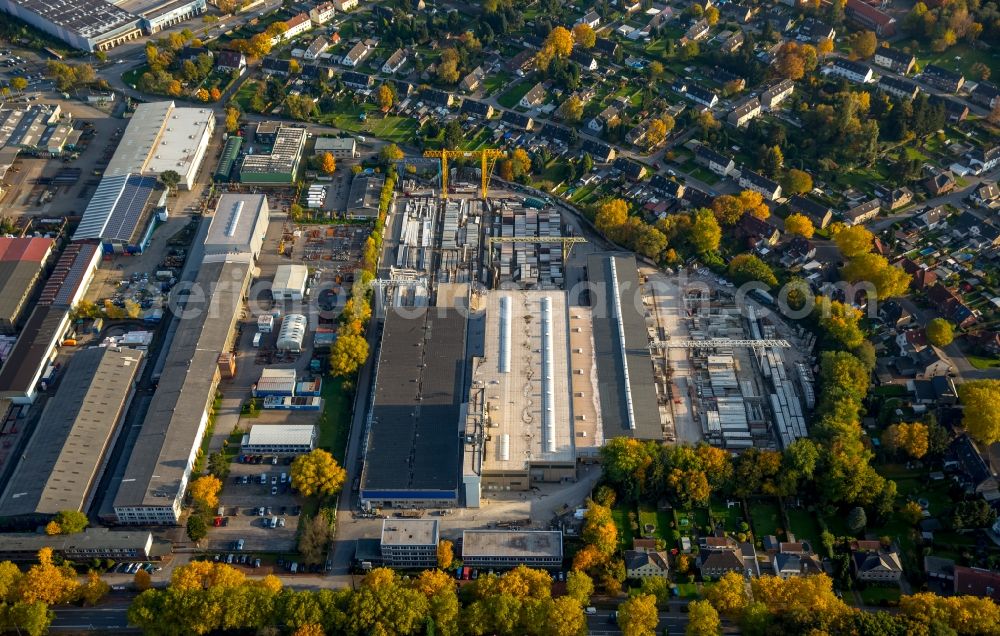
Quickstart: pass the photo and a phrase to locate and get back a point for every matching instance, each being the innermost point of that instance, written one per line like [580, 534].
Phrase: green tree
[638, 616]
[197, 529]
[940, 332]
[747, 267]
[571, 110]
[580, 587]
[797, 182]
[856, 519]
[71, 521]
[314, 539]
[453, 134]
[728, 209]
[703, 620]
[981, 415]
[170, 179]
[390, 153]
[863, 44]
[773, 160]
[347, 354]
[317, 473]
[705, 233]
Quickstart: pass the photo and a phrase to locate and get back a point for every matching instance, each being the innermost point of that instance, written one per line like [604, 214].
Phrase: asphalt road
[111, 616]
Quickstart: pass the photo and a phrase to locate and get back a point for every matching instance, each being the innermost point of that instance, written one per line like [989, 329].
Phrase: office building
[279, 166]
[283, 439]
[511, 548]
[409, 543]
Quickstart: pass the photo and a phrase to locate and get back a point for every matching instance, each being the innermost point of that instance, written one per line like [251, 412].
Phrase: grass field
[131, 77]
[765, 517]
[620, 515]
[981, 362]
[496, 82]
[805, 526]
[245, 94]
[960, 57]
[730, 517]
[391, 128]
[335, 421]
[514, 95]
[873, 595]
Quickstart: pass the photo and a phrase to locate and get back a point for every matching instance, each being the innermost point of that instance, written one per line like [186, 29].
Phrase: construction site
[734, 378]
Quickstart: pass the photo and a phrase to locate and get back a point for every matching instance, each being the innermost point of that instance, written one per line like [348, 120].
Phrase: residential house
[591, 19]
[192, 53]
[606, 47]
[873, 563]
[795, 558]
[741, 13]
[599, 152]
[733, 43]
[986, 95]
[941, 571]
[869, 17]
[316, 48]
[471, 82]
[986, 158]
[798, 251]
[939, 184]
[892, 59]
[950, 305]
[297, 25]
[775, 93]
[632, 170]
[852, 71]
[985, 195]
[898, 87]
[522, 61]
[965, 461]
[942, 78]
[922, 277]
[744, 111]
[894, 314]
[358, 53]
[719, 555]
[987, 342]
[275, 66]
[605, 118]
[697, 31]
[863, 212]
[750, 180]
[395, 62]
[955, 111]
[322, 13]
[896, 198]
[403, 88]
[433, 96]
[534, 97]
[977, 582]
[714, 161]
[979, 234]
[586, 60]
[357, 81]
[756, 230]
[702, 96]
[472, 107]
[818, 213]
[695, 198]
[345, 5]
[929, 218]
[814, 30]
[630, 6]
[555, 133]
[779, 21]
[668, 187]
[644, 564]
[517, 120]
[231, 61]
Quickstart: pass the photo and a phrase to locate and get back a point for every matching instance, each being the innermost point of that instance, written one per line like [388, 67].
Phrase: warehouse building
[621, 349]
[22, 261]
[92, 543]
[292, 334]
[275, 382]
[23, 128]
[281, 165]
[88, 25]
[157, 474]
[230, 153]
[120, 214]
[409, 543]
[511, 548]
[35, 349]
[339, 147]
[161, 137]
[363, 199]
[159, 14]
[289, 282]
[411, 458]
[238, 226]
[283, 439]
[520, 408]
[67, 453]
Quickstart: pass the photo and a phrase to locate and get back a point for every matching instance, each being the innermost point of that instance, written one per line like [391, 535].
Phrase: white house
[395, 62]
[592, 19]
[750, 180]
[534, 97]
[852, 71]
[322, 13]
[345, 5]
[297, 25]
[641, 564]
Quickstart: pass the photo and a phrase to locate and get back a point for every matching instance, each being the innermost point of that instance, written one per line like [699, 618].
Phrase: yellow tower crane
[488, 159]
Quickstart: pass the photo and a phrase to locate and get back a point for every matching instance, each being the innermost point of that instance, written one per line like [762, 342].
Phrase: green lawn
[496, 82]
[765, 516]
[960, 57]
[335, 421]
[245, 94]
[131, 77]
[620, 515]
[391, 128]
[705, 175]
[873, 595]
[514, 95]
[730, 517]
[981, 362]
[805, 526]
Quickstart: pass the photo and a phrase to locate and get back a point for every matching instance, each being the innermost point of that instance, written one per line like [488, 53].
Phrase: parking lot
[255, 496]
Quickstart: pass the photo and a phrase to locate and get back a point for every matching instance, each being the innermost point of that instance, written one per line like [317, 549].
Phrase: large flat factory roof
[525, 376]
[160, 137]
[63, 459]
[178, 408]
[88, 18]
[235, 222]
[413, 443]
[525, 544]
[621, 348]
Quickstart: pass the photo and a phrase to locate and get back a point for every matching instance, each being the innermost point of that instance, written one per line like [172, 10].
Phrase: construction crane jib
[488, 158]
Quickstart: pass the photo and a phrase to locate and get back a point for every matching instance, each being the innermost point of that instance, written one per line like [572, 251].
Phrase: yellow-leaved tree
[317, 473]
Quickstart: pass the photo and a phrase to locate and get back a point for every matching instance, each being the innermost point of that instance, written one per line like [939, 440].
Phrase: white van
[256, 339]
